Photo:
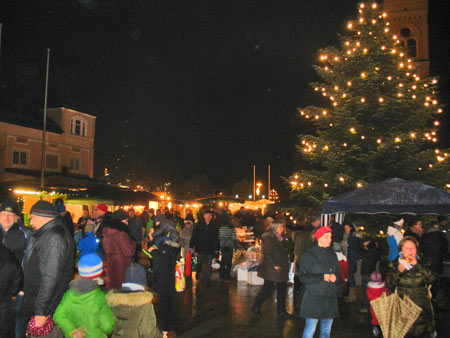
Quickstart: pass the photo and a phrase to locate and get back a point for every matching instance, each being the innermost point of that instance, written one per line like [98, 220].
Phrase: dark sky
[182, 87]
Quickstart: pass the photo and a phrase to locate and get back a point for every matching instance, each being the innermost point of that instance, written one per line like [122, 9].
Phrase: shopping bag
[188, 266]
[193, 264]
[180, 282]
[43, 330]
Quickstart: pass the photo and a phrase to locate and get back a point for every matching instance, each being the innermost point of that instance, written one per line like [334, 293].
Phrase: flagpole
[44, 128]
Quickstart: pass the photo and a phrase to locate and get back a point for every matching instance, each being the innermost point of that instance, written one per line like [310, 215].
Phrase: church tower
[409, 21]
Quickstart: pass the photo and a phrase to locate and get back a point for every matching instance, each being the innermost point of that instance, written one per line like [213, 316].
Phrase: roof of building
[30, 119]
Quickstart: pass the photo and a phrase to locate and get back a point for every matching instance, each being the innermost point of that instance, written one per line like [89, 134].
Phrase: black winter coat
[17, 239]
[274, 254]
[205, 238]
[434, 247]
[49, 269]
[414, 283]
[320, 298]
[11, 280]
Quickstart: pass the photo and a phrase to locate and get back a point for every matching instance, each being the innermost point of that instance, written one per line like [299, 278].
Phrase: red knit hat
[322, 231]
[102, 207]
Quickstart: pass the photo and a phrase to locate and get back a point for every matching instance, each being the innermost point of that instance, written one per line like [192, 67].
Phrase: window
[19, 157]
[78, 127]
[51, 161]
[74, 164]
[412, 48]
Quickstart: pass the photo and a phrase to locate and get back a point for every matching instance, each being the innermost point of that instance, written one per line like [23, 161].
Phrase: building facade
[409, 21]
[69, 145]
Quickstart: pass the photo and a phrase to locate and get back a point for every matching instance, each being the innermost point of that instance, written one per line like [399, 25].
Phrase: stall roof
[392, 196]
[220, 198]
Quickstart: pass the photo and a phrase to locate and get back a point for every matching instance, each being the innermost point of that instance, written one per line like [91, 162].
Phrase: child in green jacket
[83, 312]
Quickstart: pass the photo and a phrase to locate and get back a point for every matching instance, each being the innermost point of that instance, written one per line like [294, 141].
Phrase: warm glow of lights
[413, 135]
[365, 50]
[345, 144]
[434, 81]
[381, 100]
[325, 185]
[414, 96]
[398, 139]
[374, 21]
[436, 123]
[363, 100]
[296, 177]
[389, 78]
[440, 111]
[349, 83]
[352, 130]
[374, 5]
[394, 51]
[436, 151]
[324, 113]
[341, 179]
[350, 25]
[359, 185]
[26, 192]
[379, 141]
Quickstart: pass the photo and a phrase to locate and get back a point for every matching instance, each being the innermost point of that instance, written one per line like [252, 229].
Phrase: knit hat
[43, 209]
[322, 231]
[90, 266]
[120, 215]
[60, 208]
[102, 207]
[89, 227]
[400, 222]
[375, 277]
[135, 274]
[10, 206]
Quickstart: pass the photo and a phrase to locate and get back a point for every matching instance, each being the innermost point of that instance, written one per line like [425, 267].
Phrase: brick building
[69, 144]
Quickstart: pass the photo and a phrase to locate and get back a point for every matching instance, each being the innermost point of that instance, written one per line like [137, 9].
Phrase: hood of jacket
[116, 298]
[83, 291]
[82, 285]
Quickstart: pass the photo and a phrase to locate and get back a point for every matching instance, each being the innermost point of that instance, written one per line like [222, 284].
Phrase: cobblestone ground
[223, 310]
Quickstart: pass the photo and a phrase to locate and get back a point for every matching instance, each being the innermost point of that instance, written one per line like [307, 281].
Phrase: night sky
[182, 87]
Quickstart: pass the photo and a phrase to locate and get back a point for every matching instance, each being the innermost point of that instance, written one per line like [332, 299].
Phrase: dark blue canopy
[393, 196]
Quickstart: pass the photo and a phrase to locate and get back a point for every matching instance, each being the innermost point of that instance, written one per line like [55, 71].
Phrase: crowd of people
[64, 279]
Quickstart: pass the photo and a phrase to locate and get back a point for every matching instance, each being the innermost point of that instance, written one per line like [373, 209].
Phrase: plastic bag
[188, 266]
[180, 282]
[193, 264]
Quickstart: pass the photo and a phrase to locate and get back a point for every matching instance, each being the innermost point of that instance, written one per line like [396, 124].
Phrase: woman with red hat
[320, 272]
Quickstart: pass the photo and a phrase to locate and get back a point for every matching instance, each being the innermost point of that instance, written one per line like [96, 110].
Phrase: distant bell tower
[409, 21]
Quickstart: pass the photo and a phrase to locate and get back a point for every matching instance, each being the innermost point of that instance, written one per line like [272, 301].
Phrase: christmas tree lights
[378, 108]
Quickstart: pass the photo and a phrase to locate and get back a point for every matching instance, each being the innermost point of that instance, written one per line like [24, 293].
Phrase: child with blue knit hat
[83, 311]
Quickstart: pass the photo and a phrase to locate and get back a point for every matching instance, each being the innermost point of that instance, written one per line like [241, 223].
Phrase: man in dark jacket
[205, 241]
[11, 279]
[66, 218]
[434, 247]
[17, 238]
[135, 226]
[50, 267]
[274, 269]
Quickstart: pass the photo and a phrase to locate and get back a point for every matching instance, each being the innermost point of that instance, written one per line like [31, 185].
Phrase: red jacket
[375, 290]
[119, 249]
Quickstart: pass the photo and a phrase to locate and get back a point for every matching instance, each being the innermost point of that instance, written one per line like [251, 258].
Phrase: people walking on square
[132, 306]
[83, 311]
[119, 249]
[320, 272]
[17, 238]
[50, 267]
[394, 236]
[11, 280]
[353, 249]
[274, 269]
[409, 277]
[434, 247]
[205, 242]
[135, 226]
[228, 242]
[375, 288]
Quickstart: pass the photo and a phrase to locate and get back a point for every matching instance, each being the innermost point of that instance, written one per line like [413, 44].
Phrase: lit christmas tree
[380, 120]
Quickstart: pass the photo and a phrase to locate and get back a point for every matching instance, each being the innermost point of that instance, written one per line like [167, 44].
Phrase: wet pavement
[223, 310]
